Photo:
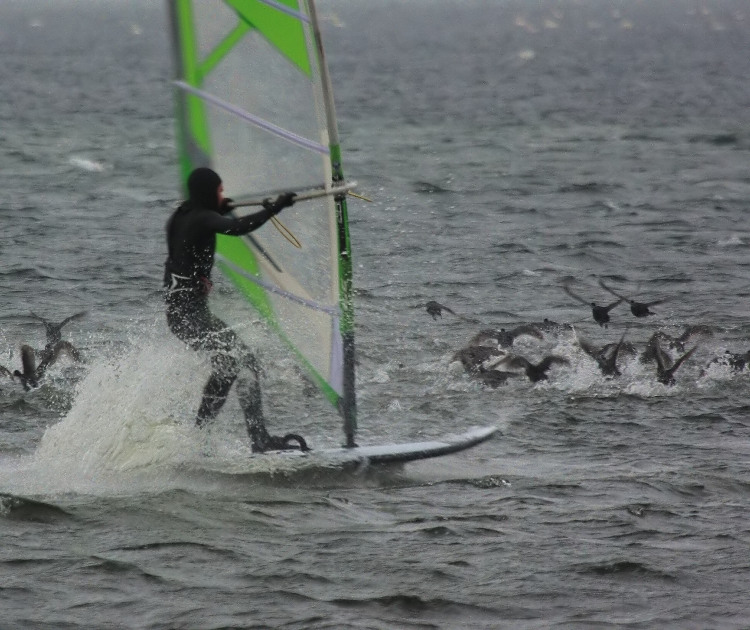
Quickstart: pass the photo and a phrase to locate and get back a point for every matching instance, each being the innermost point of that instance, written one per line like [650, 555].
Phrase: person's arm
[232, 226]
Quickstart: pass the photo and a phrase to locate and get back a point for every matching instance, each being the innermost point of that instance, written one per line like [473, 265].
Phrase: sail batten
[311, 304]
[285, 9]
[255, 120]
[254, 102]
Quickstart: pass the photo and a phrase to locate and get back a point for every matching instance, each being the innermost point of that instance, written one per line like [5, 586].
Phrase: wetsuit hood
[203, 185]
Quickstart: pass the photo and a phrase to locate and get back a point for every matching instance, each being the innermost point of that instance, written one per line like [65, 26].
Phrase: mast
[348, 405]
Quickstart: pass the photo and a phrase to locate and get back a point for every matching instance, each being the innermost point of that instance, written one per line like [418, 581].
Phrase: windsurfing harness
[191, 242]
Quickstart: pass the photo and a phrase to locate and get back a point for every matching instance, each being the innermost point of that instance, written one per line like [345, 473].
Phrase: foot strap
[277, 443]
[294, 437]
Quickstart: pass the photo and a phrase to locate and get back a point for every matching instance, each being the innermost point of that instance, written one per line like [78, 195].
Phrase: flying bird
[675, 343]
[600, 313]
[505, 338]
[473, 357]
[436, 310]
[639, 309]
[31, 372]
[697, 330]
[665, 368]
[736, 362]
[53, 330]
[605, 357]
[534, 371]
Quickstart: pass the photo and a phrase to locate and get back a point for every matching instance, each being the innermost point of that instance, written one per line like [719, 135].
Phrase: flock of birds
[488, 358]
[34, 363]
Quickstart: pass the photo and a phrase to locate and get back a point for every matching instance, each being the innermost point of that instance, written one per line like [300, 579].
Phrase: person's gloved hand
[226, 205]
[284, 200]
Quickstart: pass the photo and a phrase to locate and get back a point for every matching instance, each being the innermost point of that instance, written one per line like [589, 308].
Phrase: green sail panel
[253, 102]
[284, 31]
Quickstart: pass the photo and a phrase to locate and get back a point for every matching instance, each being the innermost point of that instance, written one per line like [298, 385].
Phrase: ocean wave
[624, 569]
[19, 508]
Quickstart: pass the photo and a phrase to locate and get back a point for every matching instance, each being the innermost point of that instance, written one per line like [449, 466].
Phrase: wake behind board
[382, 454]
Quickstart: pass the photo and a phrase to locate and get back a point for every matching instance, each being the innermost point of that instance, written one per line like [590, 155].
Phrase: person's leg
[217, 388]
[251, 401]
[191, 321]
[248, 391]
[203, 331]
[226, 355]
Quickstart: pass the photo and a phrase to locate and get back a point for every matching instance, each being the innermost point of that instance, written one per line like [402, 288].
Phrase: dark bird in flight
[639, 309]
[605, 357]
[55, 344]
[675, 343]
[31, 373]
[649, 353]
[505, 338]
[665, 368]
[736, 362]
[436, 310]
[534, 371]
[600, 313]
[472, 357]
[697, 330]
[53, 330]
[478, 361]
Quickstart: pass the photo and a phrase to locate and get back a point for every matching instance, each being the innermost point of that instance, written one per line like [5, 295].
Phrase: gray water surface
[508, 147]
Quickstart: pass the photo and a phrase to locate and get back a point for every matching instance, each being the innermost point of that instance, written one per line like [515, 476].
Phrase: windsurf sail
[254, 102]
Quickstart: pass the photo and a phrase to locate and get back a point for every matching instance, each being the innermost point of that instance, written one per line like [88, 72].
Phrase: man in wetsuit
[191, 243]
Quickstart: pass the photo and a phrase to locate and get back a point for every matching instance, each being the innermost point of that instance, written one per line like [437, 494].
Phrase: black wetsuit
[191, 242]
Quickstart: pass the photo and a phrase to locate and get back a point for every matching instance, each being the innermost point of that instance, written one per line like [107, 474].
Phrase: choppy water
[509, 147]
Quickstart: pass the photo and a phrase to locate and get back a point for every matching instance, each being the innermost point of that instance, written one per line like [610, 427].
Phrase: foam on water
[87, 164]
[128, 416]
[131, 428]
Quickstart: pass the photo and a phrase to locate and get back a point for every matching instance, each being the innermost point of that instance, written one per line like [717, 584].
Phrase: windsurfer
[191, 244]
